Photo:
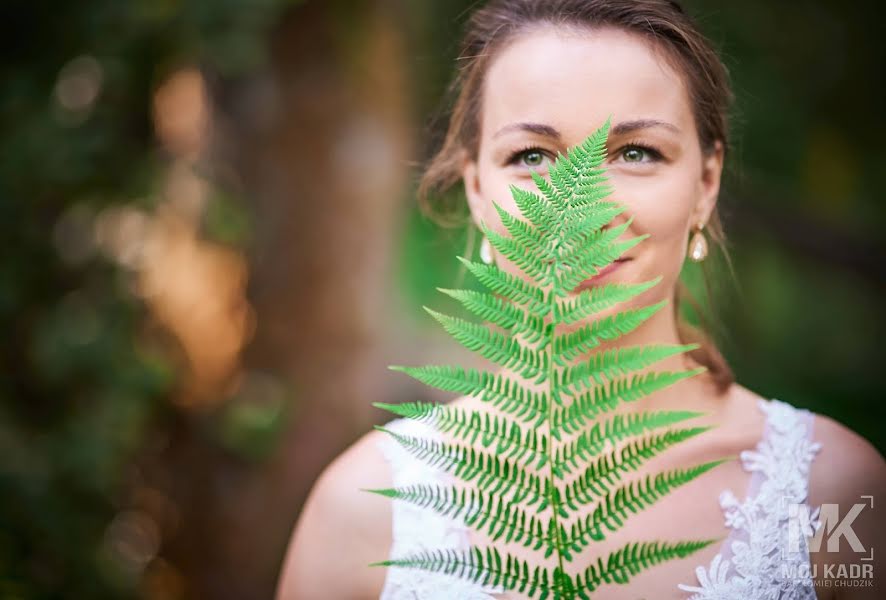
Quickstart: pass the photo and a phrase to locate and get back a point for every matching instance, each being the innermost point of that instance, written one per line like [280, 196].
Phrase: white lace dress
[752, 561]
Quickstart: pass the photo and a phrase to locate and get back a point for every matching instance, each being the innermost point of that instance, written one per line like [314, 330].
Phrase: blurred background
[211, 250]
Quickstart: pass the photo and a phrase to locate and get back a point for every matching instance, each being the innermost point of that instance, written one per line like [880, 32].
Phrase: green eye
[633, 154]
[533, 158]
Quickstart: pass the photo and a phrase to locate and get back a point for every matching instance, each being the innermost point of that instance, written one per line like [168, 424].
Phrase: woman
[536, 78]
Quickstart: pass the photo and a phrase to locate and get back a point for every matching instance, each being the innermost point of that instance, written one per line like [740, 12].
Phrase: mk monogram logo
[802, 524]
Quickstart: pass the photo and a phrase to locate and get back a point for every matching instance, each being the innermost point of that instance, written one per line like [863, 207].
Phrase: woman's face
[547, 91]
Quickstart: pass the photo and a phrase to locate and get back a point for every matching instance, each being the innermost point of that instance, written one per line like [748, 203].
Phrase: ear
[471, 177]
[709, 182]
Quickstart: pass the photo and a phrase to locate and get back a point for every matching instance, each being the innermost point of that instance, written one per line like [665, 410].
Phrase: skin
[668, 184]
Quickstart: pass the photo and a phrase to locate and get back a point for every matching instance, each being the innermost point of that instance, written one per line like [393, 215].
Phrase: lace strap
[755, 557]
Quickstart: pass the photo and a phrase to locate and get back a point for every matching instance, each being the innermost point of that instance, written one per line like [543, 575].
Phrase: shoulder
[342, 529]
[847, 483]
[846, 465]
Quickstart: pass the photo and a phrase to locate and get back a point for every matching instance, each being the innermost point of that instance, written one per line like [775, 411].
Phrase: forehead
[574, 79]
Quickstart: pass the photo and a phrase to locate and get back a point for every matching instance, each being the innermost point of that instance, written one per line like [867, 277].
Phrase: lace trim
[760, 565]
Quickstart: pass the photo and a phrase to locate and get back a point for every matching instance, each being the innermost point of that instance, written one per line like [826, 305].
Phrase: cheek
[495, 187]
[661, 206]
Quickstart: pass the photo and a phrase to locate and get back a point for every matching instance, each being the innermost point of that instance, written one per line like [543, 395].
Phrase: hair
[668, 28]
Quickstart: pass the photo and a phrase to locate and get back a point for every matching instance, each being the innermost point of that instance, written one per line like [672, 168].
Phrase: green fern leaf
[505, 351]
[630, 560]
[598, 299]
[611, 363]
[490, 472]
[612, 510]
[478, 566]
[509, 439]
[510, 287]
[499, 312]
[578, 232]
[591, 442]
[591, 528]
[571, 345]
[532, 240]
[602, 473]
[606, 397]
[498, 390]
[483, 511]
[533, 208]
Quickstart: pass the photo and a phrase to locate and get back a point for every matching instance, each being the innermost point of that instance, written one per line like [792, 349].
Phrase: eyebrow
[619, 129]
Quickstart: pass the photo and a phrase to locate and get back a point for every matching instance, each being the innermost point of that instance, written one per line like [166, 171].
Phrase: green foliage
[544, 472]
[83, 390]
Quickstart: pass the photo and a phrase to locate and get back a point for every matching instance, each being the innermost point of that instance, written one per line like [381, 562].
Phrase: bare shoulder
[844, 460]
[848, 482]
[846, 465]
[342, 529]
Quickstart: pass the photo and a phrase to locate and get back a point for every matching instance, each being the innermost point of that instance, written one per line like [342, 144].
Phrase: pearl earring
[699, 245]
[486, 251]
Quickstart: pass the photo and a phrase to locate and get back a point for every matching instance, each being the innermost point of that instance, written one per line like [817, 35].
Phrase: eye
[635, 153]
[533, 158]
[528, 157]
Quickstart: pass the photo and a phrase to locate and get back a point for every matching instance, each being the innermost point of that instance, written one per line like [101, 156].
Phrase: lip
[602, 275]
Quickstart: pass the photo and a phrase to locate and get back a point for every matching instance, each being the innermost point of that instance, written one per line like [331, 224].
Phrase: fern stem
[554, 497]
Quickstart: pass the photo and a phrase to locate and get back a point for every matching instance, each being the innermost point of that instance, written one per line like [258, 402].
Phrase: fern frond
[502, 313]
[594, 249]
[551, 194]
[618, 361]
[512, 288]
[503, 350]
[605, 398]
[631, 559]
[588, 263]
[605, 471]
[532, 206]
[491, 473]
[577, 179]
[531, 261]
[618, 427]
[496, 389]
[612, 510]
[577, 233]
[576, 343]
[597, 299]
[534, 242]
[477, 566]
[483, 511]
[509, 439]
